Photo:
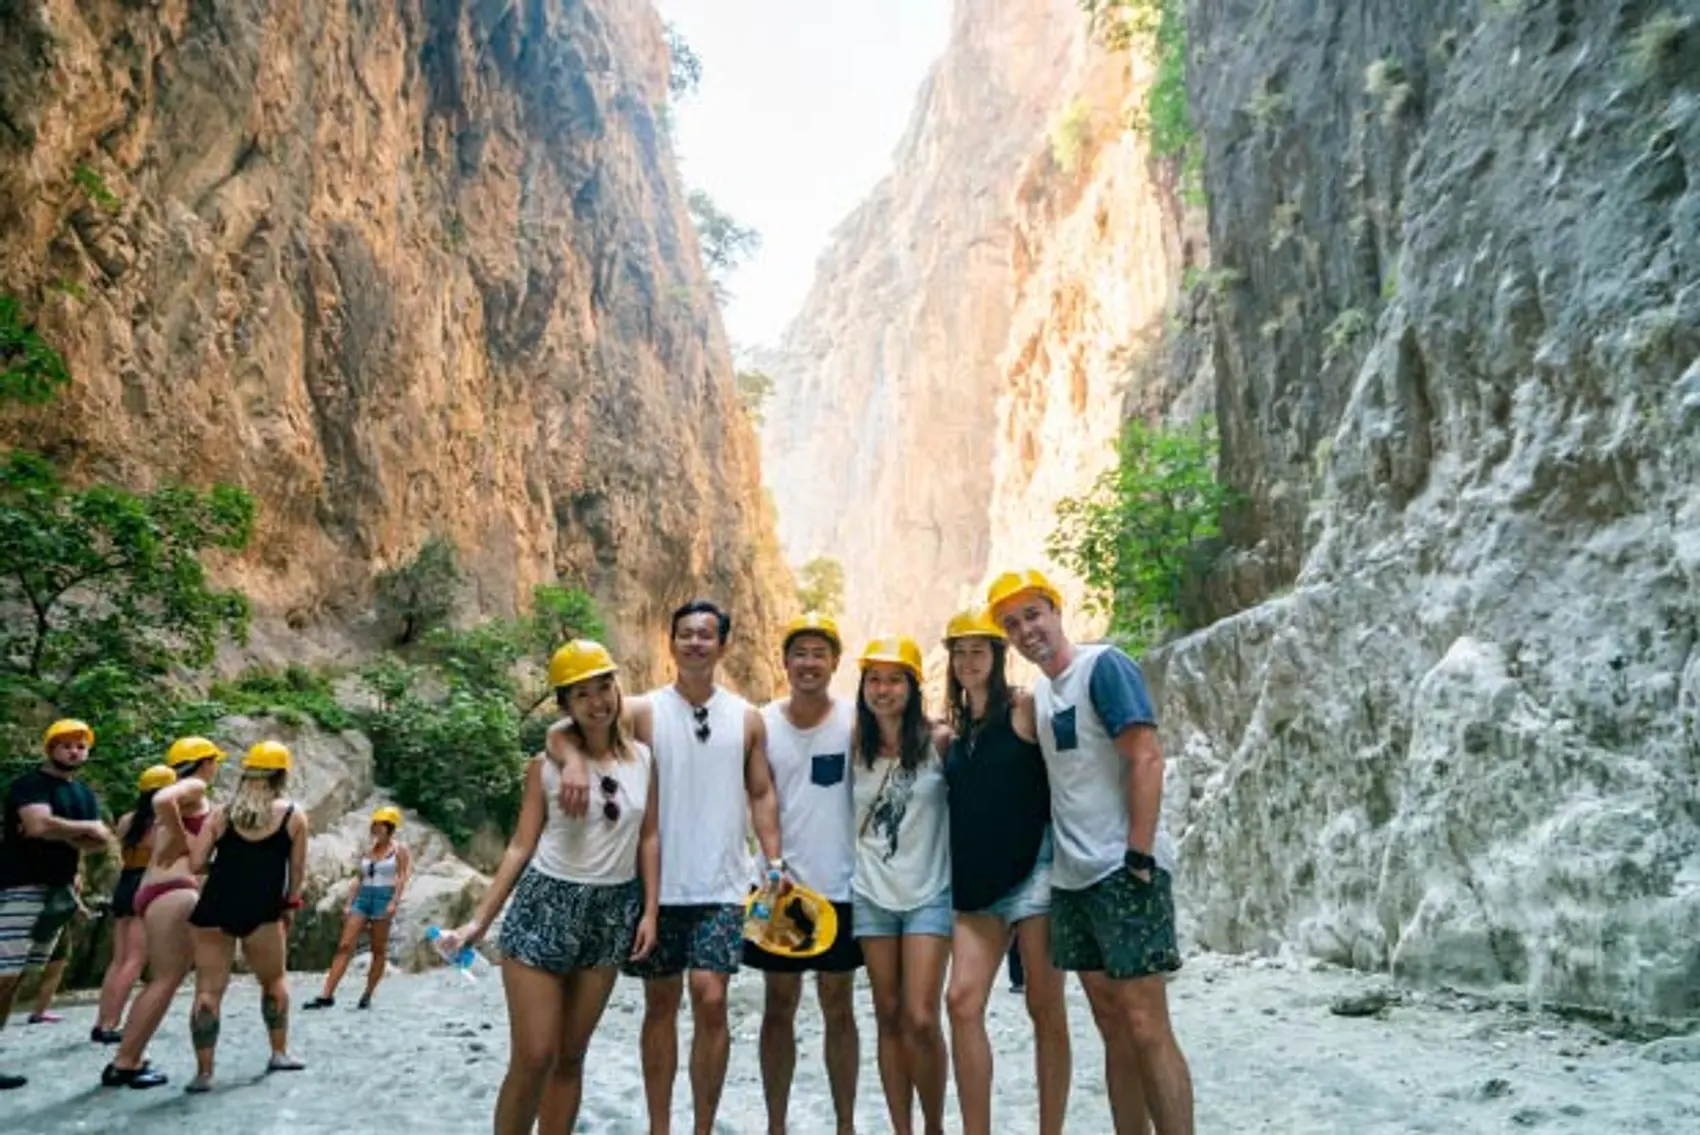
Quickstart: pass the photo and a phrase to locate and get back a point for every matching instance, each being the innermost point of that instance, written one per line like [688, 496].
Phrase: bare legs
[170, 951]
[711, 1046]
[264, 950]
[1143, 1064]
[907, 976]
[129, 954]
[380, 934]
[585, 996]
[779, 1045]
[351, 927]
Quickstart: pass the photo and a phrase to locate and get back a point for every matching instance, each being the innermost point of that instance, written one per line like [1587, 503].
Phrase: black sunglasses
[610, 806]
[700, 712]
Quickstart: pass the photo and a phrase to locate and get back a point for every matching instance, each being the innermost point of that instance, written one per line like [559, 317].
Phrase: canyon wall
[964, 357]
[1457, 355]
[398, 269]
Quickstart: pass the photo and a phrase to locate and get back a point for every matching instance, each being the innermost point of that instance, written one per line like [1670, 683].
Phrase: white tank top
[595, 849]
[817, 813]
[378, 872]
[704, 810]
[903, 832]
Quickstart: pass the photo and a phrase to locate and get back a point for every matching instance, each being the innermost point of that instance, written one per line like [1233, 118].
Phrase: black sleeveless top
[246, 880]
[1000, 805]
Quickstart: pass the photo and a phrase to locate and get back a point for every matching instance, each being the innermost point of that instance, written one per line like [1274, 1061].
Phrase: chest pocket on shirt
[1062, 727]
[826, 769]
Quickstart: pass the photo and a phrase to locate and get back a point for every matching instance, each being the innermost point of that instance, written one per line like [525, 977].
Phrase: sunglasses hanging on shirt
[700, 712]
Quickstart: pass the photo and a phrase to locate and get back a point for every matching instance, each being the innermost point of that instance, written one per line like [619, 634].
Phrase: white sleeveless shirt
[817, 813]
[704, 808]
[594, 849]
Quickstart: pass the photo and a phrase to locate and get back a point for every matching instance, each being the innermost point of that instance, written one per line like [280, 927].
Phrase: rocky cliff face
[963, 359]
[397, 269]
[1459, 376]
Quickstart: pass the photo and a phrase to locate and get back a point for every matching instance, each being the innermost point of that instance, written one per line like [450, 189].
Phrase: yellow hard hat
[899, 650]
[1012, 583]
[579, 660]
[192, 750]
[66, 727]
[804, 924]
[388, 815]
[815, 622]
[267, 756]
[976, 623]
[155, 778]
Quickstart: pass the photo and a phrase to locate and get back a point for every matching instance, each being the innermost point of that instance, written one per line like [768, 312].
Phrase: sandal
[145, 1076]
[320, 1002]
[283, 1062]
[199, 1084]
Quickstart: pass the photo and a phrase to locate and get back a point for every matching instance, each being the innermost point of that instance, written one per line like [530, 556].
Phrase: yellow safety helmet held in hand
[815, 623]
[156, 778]
[899, 650]
[1012, 583]
[67, 727]
[803, 923]
[388, 815]
[192, 750]
[972, 624]
[266, 756]
[578, 661]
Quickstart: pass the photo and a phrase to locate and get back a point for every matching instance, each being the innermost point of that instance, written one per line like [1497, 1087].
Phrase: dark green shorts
[1119, 925]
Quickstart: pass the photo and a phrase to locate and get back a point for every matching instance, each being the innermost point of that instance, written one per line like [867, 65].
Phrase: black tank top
[1000, 804]
[256, 867]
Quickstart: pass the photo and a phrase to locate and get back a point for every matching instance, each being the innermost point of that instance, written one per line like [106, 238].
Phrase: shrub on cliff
[420, 594]
[452, 729]
[820, 586]
[1129, 537]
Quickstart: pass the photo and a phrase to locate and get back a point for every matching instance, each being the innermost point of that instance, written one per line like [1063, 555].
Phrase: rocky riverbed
[1270, 1052]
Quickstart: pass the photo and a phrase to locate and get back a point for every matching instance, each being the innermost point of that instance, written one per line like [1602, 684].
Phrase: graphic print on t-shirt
[891, 807]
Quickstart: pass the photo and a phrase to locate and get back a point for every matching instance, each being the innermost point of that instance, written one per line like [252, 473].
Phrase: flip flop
[45, 1018]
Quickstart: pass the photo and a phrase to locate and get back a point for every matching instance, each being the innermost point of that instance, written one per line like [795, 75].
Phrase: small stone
[1528, 1117]
[1269, 1011]
[486, 1026]
[1366, 1004]
[478, 1046]
[1672, 1050]
[1571, 1067]
[1572, 1110]
[1495, 1089]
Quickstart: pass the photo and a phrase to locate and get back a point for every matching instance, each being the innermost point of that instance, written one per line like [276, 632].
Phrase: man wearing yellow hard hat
[808, 749]
[1112, 907]
[50, 819]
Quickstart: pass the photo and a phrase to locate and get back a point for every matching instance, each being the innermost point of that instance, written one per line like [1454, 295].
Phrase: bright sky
[801, 104]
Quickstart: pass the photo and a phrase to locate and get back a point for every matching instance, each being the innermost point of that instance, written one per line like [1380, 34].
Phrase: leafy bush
[725, 243]
[820, 586]
[754, 388]
[295, 692]
[420, 594]
[452, 732]
[1070, 131]
[1128, 538]
[684, 66]
[1158, 27]
[30, 370]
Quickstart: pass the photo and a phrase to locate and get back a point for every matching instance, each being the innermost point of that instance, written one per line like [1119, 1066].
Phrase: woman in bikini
[587, 897]
[902, 902]
[165, 896]
[378, 887]
[135, 831]
[254, 852]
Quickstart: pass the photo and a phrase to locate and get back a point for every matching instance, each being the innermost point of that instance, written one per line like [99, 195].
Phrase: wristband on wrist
[293, 904]
[1137, 860]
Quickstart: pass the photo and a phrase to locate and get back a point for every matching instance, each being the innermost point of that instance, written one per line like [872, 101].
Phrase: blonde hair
[251, 809]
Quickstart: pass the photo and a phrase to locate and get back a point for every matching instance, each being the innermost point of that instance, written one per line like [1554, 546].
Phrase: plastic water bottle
[462, 960]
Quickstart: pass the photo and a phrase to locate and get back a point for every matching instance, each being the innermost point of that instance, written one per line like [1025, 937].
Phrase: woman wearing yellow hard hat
[165, 897]
[378, 887]
[135, 831]
[902, 906]
[586, 895]
[254, 851]
[1000, 855]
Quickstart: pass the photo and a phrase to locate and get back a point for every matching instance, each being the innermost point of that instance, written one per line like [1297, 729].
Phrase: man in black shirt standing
[49, 821]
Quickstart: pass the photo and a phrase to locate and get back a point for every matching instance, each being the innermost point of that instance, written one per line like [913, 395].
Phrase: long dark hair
[998, 698]
[141, 820]
[914, 735]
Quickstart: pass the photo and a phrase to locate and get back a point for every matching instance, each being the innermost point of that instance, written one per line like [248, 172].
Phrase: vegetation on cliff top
[1158, 28]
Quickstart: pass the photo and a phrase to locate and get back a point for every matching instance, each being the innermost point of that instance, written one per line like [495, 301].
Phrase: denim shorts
[931, 919]
[1029, 898]
[373, 902]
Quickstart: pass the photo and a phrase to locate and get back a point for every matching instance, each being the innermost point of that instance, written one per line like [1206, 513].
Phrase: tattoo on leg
[203, 1026]
[274, 1011]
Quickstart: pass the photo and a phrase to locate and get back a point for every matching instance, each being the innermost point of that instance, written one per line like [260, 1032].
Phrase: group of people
[1024, 815]
[197, 880]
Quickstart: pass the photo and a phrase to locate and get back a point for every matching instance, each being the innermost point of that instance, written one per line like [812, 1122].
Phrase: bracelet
[293, 904]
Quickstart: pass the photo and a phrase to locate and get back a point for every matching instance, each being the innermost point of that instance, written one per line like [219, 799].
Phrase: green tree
[30, 370]
[451, 733]
[1129, 537]
[684, 66]
[754, 388]
[725, 243]
[820, 586]
[420, 594]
